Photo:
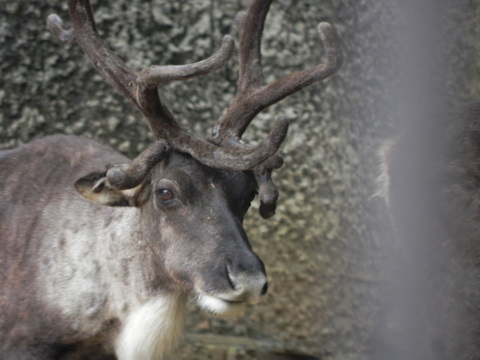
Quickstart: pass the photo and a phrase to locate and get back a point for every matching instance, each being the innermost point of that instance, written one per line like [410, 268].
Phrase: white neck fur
[153, 329]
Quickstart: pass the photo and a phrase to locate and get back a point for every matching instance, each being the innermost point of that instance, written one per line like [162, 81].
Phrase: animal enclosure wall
[324, 248]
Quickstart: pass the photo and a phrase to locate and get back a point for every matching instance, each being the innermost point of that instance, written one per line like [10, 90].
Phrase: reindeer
[98, 253]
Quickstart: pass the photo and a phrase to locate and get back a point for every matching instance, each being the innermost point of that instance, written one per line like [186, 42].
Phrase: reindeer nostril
[264, 289]
[231, 282]
[246, 285]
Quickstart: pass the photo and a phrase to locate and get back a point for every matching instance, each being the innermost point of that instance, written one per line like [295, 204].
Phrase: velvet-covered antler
[141, 90]
[254, 96]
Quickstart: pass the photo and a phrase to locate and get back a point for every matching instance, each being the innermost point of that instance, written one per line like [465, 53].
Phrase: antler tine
[251, 24]
[128, 176]
[267, 191]
[154, 75]
[55, 25]
[252, 96]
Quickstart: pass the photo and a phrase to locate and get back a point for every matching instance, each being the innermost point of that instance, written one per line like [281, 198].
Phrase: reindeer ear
[96, 188]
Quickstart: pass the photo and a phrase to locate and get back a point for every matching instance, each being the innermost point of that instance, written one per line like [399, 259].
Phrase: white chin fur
[219, 307]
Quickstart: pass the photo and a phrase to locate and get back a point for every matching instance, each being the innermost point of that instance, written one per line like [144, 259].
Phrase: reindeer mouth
[220, 307]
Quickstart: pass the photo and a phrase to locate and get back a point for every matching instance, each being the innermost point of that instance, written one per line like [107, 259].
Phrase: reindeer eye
[165, 194]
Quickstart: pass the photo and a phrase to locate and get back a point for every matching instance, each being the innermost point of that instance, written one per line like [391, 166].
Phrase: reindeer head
[194, 193]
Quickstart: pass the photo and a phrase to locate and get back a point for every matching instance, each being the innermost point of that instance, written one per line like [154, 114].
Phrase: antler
[253, 96]
[141, 90]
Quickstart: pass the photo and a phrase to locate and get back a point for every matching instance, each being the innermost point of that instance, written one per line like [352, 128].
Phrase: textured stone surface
[322, 249]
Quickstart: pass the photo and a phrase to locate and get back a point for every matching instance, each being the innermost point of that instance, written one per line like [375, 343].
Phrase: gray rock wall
[323, 248]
